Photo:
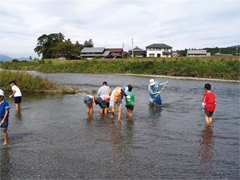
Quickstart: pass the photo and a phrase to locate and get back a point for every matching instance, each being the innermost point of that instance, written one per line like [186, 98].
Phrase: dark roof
[93, 50]
[158, 46]
[136, 49]
[106, 53]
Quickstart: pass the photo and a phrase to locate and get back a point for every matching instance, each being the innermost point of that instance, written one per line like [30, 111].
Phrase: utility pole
[132, 48]
[123, 50]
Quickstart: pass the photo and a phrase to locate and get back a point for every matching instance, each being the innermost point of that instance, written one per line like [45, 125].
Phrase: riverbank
[31, 83]
[224, 68]
[182, 78]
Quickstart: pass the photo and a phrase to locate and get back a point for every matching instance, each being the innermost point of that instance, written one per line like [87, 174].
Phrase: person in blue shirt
[4, 113]
[153, 88]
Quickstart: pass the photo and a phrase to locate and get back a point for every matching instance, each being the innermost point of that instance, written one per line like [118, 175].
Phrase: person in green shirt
[130, 99]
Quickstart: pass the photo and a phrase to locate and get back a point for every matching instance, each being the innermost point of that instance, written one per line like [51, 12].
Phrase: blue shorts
[87, 99]
[4, 126]
[18, 99]
[118, 103]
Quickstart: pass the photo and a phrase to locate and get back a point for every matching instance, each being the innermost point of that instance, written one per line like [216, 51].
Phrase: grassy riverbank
[30, 83]
[227, 68]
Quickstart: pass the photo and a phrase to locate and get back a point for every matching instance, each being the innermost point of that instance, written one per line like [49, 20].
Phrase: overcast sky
[114, 23]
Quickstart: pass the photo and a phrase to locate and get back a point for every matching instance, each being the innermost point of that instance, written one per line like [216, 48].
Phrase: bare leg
[18, 106]
[105, 111]
[119, 112]
[208, 120]
[130, 112]
[151, 104]
[101, 111]
[113, 109]
[91, 109]
[5, 135]
[87, 108]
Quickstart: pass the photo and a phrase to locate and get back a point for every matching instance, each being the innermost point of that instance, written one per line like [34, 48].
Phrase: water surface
[54, 138]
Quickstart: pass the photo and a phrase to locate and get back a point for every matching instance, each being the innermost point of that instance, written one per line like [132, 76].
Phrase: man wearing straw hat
[154, 92]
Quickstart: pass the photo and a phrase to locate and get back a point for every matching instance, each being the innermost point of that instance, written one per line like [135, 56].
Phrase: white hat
[152, 82]
[1, 93]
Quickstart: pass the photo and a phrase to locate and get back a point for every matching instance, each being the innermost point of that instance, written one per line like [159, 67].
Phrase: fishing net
[157, 100]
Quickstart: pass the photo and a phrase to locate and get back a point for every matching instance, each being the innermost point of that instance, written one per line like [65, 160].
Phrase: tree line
[227, 50]
[55, 45]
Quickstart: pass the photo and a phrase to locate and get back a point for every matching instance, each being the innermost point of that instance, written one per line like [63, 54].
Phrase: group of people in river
[108, 100]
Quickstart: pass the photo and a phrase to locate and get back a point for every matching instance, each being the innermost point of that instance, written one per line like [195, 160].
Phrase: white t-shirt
[104, 90]
[18, 91]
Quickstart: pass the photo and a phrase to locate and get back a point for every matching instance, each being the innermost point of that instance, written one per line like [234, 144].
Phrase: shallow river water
[54, 138]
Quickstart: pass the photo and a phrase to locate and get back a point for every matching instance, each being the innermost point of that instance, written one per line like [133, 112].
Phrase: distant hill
[5, 58]
[234, 46]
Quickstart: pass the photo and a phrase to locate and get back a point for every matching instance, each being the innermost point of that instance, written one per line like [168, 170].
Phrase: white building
[197, 53]
[159, 50]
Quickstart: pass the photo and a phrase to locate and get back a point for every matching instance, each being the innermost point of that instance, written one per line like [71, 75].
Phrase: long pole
[123, 50]
[132, 48]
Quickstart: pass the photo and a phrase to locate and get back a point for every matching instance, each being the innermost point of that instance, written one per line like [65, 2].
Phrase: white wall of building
[157, 52]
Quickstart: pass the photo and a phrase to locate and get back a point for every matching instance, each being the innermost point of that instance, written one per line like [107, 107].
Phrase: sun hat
[12, 82]
[152, 82]
[125, 90]
[1, 93]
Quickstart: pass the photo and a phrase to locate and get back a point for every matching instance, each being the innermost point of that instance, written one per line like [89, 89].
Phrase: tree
[80, 46]
[88, 43]
[66, 49]
[46, 43]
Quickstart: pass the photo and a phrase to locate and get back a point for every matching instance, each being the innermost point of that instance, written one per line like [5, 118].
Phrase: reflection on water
[119, 134]
[5, 163]
[117, 137]
[206, 152]
[18, 115]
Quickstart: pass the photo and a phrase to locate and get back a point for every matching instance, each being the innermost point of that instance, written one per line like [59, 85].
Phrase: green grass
[202, 67]
[30, 83]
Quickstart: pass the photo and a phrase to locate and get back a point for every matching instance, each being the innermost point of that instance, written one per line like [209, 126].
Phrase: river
[54, 138]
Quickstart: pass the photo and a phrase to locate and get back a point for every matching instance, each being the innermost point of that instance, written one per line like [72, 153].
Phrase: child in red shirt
[208, 103]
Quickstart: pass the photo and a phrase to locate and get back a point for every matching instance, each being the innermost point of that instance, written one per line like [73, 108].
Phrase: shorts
[131, 107]
[87, 99]
[101, 103]
[208, 113]
[4, 126]
[18, 99]
[118, 103]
